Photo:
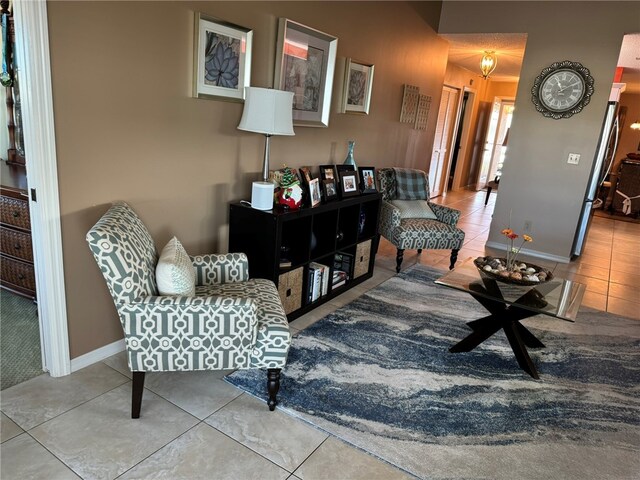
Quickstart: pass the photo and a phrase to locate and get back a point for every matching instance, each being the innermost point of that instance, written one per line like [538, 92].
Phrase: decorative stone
[530, 271]
[542, 276]
[495, 263]
[487, 268]
[516, 275]
[533, 278]
[501, 268]
[503, 273]
[522, 266]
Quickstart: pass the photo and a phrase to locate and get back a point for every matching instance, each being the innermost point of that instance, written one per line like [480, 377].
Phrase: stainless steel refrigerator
[605, 155]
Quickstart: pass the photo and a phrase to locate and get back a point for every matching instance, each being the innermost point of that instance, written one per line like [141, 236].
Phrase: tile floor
[194, 425]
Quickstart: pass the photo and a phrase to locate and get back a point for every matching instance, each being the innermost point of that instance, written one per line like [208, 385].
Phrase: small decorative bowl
[526, 274]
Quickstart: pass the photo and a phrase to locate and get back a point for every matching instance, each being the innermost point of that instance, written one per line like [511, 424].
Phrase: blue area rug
[377, 373]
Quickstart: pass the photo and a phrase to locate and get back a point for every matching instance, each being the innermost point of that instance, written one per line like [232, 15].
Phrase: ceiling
[466, 50]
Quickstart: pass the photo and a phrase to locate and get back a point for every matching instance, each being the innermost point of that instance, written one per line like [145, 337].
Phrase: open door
[495, 144]
[442, 140]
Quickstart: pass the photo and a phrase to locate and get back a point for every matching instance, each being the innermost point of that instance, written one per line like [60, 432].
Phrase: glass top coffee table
[508, 304]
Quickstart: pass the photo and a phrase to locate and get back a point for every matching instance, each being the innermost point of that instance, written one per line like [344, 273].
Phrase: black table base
[507, 318]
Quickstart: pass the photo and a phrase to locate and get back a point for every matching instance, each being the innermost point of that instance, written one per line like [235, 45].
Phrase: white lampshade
[267, 111]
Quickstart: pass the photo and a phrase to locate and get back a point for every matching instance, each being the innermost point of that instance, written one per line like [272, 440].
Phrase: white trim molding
[32, 54]
[97, 355]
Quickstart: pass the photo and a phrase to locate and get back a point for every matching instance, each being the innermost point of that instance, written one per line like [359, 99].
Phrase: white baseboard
[97, 355]
[531, 253]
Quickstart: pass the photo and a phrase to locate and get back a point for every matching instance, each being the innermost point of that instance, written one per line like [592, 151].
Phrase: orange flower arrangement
[512, 253]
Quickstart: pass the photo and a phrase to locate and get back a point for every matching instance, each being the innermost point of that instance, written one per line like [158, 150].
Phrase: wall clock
[562, 89]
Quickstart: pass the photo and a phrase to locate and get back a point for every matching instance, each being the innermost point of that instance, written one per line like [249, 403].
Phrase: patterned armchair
[402, 218]
[232, 322]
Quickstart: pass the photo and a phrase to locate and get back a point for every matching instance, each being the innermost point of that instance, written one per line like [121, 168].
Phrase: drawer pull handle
[16, 214]
[17, 246]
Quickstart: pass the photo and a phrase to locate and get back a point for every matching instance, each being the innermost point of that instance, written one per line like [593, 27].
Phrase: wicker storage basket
[363, 252]
[290, 289]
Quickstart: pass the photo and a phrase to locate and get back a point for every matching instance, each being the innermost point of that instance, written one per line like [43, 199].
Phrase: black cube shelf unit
[283, 246]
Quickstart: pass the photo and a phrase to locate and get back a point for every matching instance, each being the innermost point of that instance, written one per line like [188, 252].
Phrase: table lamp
[269, 112]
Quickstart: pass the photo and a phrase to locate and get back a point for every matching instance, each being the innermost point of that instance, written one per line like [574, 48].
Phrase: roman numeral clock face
[562, 90]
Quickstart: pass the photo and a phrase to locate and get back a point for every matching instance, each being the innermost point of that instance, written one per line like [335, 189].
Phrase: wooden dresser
[16, 250]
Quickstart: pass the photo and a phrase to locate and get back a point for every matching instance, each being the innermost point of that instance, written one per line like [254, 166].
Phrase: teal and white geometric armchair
[410, 221]
[229, 322]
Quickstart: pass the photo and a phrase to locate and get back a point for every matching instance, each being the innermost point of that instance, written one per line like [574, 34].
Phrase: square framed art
[358, 82]
[349, 183]
[328, 172]
[221, 59]
[305, 65]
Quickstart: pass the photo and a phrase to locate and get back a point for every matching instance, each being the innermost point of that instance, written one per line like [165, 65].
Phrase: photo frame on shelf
[358, 82]
[329, 190]
[314, 192]
[349, 183]
[221, 59]
[305, 175]
[328, 172]
[305, 65]
[367, 176]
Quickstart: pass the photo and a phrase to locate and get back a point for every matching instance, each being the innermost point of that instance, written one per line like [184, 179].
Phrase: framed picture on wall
[221, 59]
[358, 82]
[349, 183]
[305, 64]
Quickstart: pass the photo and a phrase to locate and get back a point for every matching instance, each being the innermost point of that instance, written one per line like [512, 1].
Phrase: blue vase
[349, 160]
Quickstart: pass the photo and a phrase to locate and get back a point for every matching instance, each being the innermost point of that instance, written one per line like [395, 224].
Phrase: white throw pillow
[414, 209]
[175, 274]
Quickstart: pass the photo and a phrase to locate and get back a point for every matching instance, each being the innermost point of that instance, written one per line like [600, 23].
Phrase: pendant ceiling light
[488, 63]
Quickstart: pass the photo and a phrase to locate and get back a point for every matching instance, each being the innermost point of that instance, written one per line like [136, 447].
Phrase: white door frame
[478, 180]
[451, 124]
[465, 122]
[32, 56]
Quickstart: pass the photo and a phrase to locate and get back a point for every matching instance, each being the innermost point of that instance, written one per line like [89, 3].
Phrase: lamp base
[262, 195]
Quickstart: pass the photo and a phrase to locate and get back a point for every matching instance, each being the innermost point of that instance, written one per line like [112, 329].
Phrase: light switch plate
[574, 158]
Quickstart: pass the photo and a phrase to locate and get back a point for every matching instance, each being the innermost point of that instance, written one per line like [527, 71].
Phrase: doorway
[496, 141]
[458, 141]
[442, 141]
[32, 53]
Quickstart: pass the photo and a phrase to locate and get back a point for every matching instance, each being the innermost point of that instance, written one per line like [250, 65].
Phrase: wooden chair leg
[273, 385]
[136, 394]
[454, 257]
[399, 257]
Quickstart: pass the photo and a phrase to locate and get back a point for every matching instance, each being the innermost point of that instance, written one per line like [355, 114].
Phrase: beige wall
[128, 129]
[537, 183]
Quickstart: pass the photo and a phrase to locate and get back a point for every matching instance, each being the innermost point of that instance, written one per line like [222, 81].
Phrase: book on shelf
[319, 282]
[339, 278]
[285, 263]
